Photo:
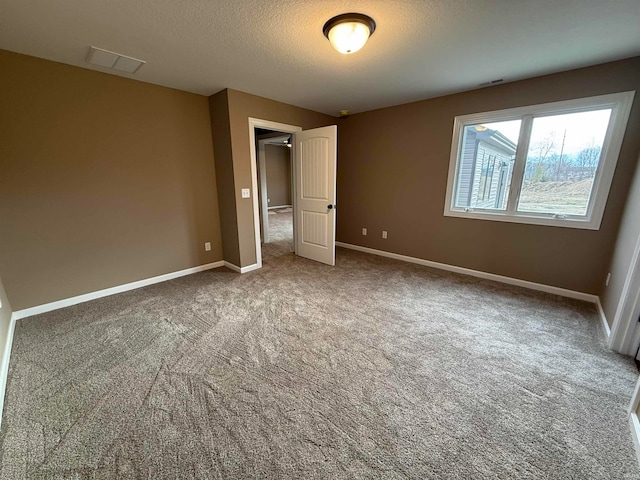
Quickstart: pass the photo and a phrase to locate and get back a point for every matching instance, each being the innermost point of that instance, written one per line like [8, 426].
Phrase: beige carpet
[281, 229]
[371, 369]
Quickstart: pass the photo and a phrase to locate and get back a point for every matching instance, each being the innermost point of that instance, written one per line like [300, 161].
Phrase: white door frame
[279, 127]
[634, 422]
[262, 174]
[625, 333]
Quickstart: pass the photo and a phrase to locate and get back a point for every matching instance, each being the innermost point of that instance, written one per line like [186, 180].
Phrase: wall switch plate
[364, 231]
[207, 246]
[246, 193]
[606, 282]
[384, 234]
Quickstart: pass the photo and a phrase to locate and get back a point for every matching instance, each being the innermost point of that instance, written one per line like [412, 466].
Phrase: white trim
[254, 189]
[253, 124]
[232, 266]
[67, 302]
[587, 297]
[635, 433]
[264, 197]
[522, 217]
[603, 318]
[278, 127]
[6, 357]
[238, 269]
[624, 329]
[250, 268]
[620, 104]
[634, 423]
[281, 206]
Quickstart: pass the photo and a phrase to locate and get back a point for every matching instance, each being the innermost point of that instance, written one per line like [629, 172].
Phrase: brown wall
[392, 175]
[104, 181]
[221, 132]
[278, 162]
[241, 107]
[623, 253]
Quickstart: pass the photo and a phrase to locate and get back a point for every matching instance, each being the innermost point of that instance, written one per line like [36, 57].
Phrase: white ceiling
[275, 48]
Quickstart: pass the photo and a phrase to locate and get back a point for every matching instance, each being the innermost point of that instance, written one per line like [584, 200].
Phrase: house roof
[276, 48]
[497, 139]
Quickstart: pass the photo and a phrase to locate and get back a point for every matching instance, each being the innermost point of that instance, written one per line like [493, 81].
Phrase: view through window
[486, 164]
[563, 157]
[537, 164]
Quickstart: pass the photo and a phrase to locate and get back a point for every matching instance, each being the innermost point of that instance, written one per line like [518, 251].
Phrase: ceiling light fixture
[349, 32]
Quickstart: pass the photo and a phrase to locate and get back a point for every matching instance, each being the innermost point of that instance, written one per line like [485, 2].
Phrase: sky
[583, 129]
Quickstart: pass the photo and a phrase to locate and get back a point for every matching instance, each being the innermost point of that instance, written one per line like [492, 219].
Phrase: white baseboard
[587, 297]
[280, 206]
[4, 366]
[250, 268]
[246, 269]
[67, 302]
[233, 267]
[603, 318]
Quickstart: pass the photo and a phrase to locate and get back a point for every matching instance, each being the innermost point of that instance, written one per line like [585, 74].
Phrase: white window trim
[620, 103]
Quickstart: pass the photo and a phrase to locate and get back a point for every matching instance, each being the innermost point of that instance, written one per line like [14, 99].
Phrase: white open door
[315, 190]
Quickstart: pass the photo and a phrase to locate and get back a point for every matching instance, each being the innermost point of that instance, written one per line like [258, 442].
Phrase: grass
[563, 198]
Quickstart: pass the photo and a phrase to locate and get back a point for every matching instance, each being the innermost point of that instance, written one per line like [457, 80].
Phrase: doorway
[260, 208]
[275, 189]
[313, 189]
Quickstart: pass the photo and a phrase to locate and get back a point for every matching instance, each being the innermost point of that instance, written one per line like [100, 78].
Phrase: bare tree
[542, 149]
[588, 158]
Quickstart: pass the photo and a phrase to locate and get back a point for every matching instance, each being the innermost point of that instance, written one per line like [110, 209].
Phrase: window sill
[530, 219]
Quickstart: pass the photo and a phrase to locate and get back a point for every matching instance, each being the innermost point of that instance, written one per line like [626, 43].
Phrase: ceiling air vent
[105, 58]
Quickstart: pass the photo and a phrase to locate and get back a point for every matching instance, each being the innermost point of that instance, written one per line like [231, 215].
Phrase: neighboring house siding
[485, 168]
[493, 160]
[467, 169]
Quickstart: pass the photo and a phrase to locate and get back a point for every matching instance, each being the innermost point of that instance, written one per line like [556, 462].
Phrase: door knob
[331, 206]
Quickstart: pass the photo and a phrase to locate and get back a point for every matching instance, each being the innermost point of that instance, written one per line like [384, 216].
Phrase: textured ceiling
[275, 48]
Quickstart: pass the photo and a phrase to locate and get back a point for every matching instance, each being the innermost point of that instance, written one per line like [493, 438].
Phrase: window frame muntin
[620, 104]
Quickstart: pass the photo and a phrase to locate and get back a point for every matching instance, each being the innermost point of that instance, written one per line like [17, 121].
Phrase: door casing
[279, 127]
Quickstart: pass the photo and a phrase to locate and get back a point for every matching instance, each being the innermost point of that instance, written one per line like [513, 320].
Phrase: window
[548, 164]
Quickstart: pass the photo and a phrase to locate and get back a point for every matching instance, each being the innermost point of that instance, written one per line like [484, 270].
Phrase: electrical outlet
[246, 193]
[207, 246]
[384, 234]
[268, 200]
[364, 231]
[606, 282]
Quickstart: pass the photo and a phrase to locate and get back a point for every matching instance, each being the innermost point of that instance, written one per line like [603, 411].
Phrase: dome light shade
[349, 32]
[349, 37]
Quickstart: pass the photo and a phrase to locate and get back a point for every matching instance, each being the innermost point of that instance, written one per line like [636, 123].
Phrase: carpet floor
[371, 369]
